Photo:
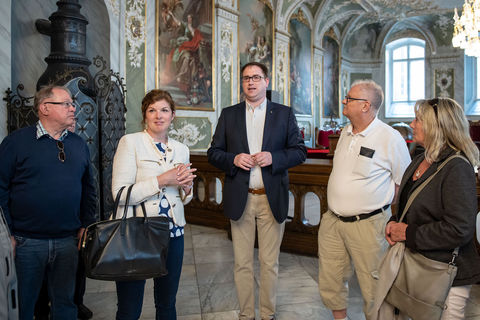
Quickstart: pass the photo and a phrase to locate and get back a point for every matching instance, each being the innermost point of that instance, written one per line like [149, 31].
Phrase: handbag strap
[117, 202]
[420, 188]
[127, 201]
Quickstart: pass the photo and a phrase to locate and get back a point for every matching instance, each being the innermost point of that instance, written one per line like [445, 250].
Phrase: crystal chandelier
[466, 28]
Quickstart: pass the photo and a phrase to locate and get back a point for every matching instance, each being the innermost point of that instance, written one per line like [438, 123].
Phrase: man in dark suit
[255, 143]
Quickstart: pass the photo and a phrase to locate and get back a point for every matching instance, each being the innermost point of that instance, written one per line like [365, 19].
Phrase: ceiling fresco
[340, 13]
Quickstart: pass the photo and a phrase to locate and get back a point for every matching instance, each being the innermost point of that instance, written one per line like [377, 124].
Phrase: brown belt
[256, 191]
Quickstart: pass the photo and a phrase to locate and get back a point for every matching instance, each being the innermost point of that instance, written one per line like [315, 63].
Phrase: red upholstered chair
[322, 138]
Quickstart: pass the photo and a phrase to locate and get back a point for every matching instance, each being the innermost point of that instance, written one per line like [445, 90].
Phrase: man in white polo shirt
[368, 165]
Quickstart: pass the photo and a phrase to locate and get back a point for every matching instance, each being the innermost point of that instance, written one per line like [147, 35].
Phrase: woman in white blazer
[159, 169]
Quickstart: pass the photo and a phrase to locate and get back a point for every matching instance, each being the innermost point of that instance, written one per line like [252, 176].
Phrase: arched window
[472, 86]
[404, 76]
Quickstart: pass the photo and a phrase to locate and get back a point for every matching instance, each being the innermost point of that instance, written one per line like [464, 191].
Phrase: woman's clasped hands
[182, 176]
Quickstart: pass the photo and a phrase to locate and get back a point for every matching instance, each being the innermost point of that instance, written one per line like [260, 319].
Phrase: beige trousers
[342, 243]
[456, 302]
[270, 232]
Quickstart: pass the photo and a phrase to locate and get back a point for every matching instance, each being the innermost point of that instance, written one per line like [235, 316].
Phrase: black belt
[361, 216]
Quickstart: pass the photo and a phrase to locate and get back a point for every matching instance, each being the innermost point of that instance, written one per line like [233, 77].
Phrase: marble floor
[207, 290]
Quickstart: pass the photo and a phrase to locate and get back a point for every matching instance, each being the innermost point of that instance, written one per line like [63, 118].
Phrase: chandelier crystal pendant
[467, 27]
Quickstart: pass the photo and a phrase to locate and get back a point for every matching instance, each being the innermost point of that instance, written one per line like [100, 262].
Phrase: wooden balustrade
[300, 237]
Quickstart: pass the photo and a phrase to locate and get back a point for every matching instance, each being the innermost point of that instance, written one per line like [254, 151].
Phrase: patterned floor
[207, 290]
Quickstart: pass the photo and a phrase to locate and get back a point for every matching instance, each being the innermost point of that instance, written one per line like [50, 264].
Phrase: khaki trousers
[341, 243]
[270, 232]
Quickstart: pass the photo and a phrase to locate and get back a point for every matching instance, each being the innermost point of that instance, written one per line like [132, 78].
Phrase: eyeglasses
[255, 78]
[349, 99]
[61, 152]
[434, 104]
[65, 104]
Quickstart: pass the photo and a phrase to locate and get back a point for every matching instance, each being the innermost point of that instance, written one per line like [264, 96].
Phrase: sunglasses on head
[434, 104]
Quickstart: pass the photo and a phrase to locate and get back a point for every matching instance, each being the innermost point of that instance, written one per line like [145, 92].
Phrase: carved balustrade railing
[300, 237]
[206, 208]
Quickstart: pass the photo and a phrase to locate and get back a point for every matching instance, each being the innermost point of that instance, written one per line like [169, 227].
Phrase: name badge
[366, 152]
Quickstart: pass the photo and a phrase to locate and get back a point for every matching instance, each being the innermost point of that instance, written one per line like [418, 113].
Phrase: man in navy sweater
[48, 197]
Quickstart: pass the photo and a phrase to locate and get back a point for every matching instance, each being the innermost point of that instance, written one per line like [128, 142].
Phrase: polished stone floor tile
[303, 311]
[188, 276]
[103, 304]
[96, 286]
[208, 273]
[197, 229]
[191, 317]
[213, 255]
[211, 240]
[207, 290]
[188, 301]
[225, 315]
[188, 257]
[218, 297]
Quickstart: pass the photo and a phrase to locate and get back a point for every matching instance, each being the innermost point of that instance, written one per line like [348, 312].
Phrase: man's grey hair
[47, 92]
[375, 92]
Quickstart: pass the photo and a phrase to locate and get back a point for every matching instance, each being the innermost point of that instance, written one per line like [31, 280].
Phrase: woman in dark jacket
[442, 217]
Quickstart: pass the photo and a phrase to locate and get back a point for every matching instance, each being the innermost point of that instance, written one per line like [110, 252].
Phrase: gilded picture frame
[184, 64]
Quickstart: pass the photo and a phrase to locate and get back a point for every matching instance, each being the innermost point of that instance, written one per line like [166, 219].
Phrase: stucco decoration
[444, 83]
[318, 71]
[135, 31]
[114, 6]
[228, 3]
[442, 28]
[226, 51]
[282, 68]
[194, 132]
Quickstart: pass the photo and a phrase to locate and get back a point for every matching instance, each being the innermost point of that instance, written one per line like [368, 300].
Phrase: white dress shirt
[255, 118]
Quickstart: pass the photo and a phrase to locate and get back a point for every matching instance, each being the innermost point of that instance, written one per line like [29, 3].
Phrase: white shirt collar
[365, 131]
[261, 107]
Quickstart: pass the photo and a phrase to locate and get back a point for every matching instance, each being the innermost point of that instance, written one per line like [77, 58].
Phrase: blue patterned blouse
[175, 231]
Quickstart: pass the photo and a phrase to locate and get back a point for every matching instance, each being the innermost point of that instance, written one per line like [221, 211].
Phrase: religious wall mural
[255, 36]
[184, 52]
[331, 75]
[300, 65]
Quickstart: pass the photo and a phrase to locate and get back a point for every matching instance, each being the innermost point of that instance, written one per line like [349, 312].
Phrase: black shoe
[83, 312]
[41, 317]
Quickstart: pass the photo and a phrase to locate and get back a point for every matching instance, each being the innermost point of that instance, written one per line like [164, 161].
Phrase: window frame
[389, 63]
[471, 84]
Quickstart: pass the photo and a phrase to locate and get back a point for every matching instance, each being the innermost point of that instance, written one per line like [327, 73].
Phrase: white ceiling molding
[390, 30]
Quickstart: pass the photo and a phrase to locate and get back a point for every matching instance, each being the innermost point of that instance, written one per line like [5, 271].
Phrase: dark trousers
[53, 259]
[130, 293]
[42, 308]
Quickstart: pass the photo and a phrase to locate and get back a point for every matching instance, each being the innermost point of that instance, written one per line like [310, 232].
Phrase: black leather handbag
[124, 248]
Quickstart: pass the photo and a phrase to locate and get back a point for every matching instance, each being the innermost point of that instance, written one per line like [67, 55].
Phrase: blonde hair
[444, 124]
